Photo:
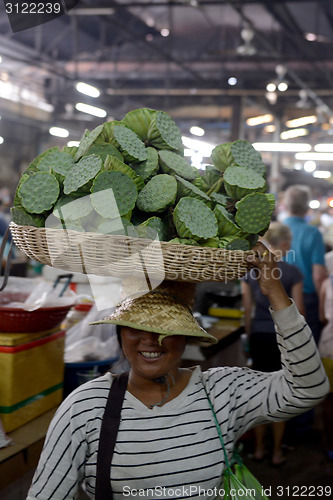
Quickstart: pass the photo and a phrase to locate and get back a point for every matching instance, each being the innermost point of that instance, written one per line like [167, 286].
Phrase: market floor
[305, 474]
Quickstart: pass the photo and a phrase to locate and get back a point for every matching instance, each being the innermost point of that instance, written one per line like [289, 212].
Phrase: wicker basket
[123, 256]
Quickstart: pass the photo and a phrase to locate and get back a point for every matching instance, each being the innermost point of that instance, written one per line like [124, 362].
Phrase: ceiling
[118, 47]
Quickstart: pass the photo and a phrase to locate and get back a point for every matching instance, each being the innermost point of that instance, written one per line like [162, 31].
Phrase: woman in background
[259, 326]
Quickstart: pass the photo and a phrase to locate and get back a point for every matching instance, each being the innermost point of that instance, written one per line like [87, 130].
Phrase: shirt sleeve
[61, 465]
[255, 397]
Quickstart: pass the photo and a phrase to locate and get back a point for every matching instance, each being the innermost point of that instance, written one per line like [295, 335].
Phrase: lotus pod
[226, 222]
[158, 194]
[87, 141]
[148, 168]
[107, 134]
[163, 132]
[56, 162]
[220, 199]
[184, 241]
[81, 173]
[240, 181]
[70, 208]
[252, 239]
[211, 176]
[115, 226]
[22, 218]
[55, 223]
[245, 155]
[221, 156]
[139, 121]
[186, 188]
[234, 243]
[34, 164]
[112, 163]
[113, 194]
[254, 212]
[104, 149]
[17, 198]
[172, 163]
[128, 143]
[39, 192]
[71, 150]
[211, 243]
[152, 227]
[193, 219]
[200, 183]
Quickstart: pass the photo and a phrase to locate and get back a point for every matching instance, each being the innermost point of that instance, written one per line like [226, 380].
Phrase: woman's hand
[268, 275]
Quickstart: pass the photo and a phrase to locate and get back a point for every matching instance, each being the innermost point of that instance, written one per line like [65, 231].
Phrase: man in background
[307, 252]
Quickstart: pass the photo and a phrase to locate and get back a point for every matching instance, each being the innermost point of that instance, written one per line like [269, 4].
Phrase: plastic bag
[233, 489]
[85, 342]
[249, 481]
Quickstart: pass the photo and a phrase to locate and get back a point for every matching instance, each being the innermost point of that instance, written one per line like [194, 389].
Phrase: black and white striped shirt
[174, 451]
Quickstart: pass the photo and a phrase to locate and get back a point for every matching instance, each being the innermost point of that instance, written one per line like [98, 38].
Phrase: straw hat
[164, 310]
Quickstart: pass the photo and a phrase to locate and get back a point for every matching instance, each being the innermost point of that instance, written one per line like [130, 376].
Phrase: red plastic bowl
[15, 320]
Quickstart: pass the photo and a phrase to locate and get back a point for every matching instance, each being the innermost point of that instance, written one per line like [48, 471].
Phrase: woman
[259, 327]
[167, 444]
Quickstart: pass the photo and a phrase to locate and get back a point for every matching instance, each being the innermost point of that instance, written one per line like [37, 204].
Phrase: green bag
[239, 484]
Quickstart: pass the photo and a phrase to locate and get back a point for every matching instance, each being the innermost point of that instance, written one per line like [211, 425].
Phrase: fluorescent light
[300, 122]
[86, 89]
[197, 131]
[310, 37]
[259, 120]
[322, 174]
[59, 132]
[90, 110]
[295, 132]
[165, 32]
[204, 148]
[314, 204]
[281, 146]
[1, 139]
[269, 128]
[314, 156]
[70, 144]
[324, 148]
[271, 87]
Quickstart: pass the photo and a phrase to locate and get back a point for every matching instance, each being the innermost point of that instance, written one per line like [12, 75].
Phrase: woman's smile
[151, 355]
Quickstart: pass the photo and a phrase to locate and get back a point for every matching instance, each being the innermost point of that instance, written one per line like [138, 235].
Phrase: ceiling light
[150, 21]
[271, 97]
[197, 131]
[324, 148]
[282, 86]
[314, 156]
[270, 128]
[322, 174]
[1, 139]
[310, 37]
[59, 132]
[232, 80]
[204, 148]
[271, 87]
[295, 132]
[90, 110]
[165, 32]
[259, 120]
[310, 166]
[314, 204]
[281, 146]
[300, 122]
[86, 89]
[0, 59]
[72, 144]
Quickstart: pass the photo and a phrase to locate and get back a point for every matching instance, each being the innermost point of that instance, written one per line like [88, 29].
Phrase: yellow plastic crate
[223, 312]
[32, 376]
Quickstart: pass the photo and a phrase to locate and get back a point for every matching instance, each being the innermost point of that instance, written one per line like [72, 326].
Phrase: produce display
[131, 177]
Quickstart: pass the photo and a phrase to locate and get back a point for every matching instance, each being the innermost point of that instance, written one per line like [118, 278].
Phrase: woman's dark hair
[118, 332]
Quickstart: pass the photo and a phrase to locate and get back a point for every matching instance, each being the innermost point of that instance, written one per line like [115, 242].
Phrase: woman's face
[147, 357]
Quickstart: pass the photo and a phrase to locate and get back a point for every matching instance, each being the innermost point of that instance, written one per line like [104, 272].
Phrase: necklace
[167, 392]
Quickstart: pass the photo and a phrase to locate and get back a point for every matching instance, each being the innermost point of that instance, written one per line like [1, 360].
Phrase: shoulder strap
[108, 436]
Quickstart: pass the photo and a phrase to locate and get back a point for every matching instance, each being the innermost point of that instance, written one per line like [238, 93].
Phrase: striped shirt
[174, 451]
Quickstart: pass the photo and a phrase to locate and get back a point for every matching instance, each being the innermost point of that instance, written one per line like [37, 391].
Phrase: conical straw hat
[164, 310]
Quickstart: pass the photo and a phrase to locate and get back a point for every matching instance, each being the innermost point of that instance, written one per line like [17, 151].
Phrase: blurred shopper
[326, 351]
[264, 350]
[307, 252]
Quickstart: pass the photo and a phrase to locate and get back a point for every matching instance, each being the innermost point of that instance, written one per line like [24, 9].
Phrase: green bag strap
[227, 463]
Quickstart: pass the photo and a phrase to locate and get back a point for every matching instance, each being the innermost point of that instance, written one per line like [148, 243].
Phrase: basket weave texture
[122, 256]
